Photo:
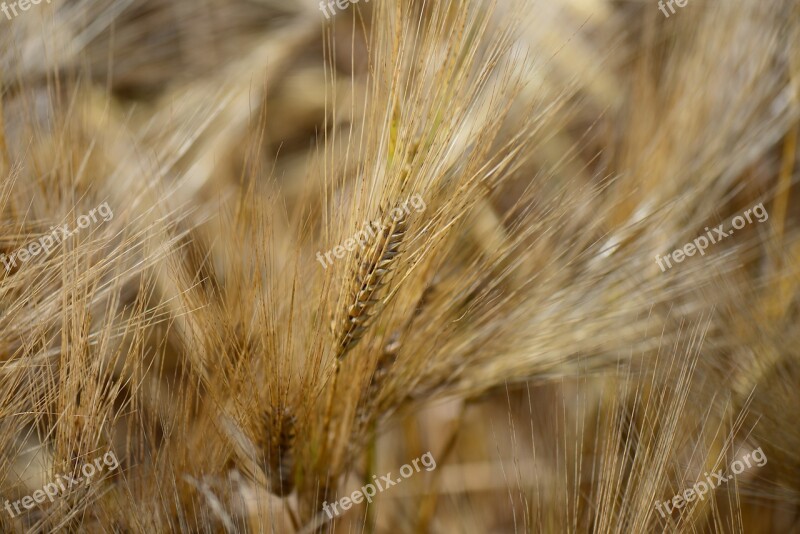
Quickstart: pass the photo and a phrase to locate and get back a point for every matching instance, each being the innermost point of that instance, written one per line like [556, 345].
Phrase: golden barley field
[399, 266]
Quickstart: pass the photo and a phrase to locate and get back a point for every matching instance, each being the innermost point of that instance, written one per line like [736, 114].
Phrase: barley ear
[279, 436]
[370, 278]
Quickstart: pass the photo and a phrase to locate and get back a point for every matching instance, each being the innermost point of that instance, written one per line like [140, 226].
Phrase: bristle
[382, 371]
[254, 351]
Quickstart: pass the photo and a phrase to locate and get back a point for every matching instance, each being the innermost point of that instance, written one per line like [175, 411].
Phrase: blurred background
[229, 134]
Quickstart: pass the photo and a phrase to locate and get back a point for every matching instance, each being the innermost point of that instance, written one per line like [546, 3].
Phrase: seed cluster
[370, 278]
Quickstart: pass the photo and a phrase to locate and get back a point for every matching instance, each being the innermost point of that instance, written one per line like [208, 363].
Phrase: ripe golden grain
[369, 278]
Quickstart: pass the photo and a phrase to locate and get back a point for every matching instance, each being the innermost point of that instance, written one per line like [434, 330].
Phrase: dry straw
[516, 327]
